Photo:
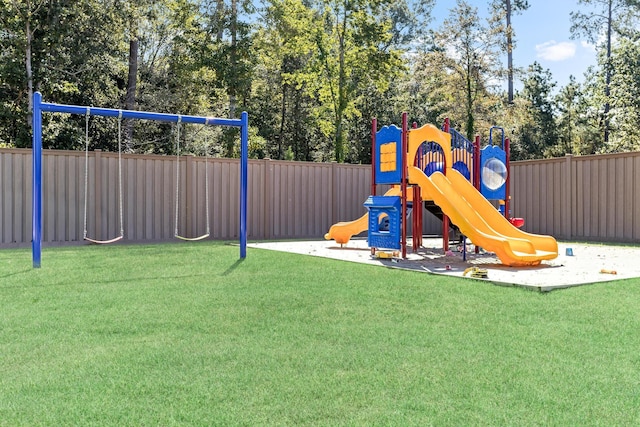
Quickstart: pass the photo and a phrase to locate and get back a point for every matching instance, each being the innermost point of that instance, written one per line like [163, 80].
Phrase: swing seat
[191, 239]
[103, 242]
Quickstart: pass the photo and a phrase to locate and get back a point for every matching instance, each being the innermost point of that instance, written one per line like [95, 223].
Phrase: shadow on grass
[233, 267]
[16, 273]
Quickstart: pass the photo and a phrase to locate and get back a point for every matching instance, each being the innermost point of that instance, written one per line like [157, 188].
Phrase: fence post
[189, 190]
[568, 199]
[334, 192]
[97, 171]
[267, 229]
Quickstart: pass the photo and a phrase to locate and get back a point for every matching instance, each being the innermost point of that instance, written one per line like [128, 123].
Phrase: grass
[185, 334]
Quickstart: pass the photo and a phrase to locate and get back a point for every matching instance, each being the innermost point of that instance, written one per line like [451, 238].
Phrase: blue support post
[36, 238]
[244, 167]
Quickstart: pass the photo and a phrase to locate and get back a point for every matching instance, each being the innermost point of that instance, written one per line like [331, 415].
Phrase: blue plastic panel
[488, 155]
[389, 155]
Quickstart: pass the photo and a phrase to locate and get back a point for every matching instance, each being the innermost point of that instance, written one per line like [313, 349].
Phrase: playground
[467, 188]
[425, 170]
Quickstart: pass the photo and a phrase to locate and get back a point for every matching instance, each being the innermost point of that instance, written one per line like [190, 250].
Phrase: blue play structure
[39, 107]
[385, 221]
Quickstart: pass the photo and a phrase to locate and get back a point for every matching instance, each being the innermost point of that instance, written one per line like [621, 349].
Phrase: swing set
[39, 107]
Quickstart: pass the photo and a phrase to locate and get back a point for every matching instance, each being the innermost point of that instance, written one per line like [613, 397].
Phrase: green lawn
[186, 334]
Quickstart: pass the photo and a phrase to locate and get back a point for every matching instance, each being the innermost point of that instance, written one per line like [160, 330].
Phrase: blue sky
[542, 35]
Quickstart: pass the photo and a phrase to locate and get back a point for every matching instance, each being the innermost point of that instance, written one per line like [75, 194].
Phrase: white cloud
[588, 46]
[554, 51]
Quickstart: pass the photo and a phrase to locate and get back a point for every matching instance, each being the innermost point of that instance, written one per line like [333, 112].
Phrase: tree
[134, 13]
[536, 133]
[20, 22]
[611, 15]
[625, 94]
[354, 50]
[503, 10]
[386, 102]
[229, 53]
[465, 50]
[283, 103]
[70, 53]
[577, 125]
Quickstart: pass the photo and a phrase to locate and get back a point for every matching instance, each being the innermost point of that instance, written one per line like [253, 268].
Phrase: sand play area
[577, 263]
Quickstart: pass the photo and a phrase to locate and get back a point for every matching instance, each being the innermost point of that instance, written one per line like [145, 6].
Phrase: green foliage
[593, 16]
[609, 17]
[284, 105]
[576, 122]
[311, 74]
[288, 155]
[536, 133]
[461, 68]
[625, 95]
[350, 57]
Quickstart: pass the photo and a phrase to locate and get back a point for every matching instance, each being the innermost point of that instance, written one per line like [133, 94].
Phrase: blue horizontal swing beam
[39, 107]
[142, 115]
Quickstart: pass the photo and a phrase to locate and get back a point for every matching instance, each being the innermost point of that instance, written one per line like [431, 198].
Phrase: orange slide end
[342, 232]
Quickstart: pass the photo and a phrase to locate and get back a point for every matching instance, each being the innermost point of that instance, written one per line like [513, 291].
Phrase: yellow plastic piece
[388, 157]
[386, 255]
[476, 272]
[342, 232]
[429, 133]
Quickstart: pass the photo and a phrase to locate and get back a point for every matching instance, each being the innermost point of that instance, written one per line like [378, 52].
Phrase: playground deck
[584, 266]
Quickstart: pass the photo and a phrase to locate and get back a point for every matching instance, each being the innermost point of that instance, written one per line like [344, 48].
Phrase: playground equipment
[86, 181]
[342, 232]
[39, 107]
[443, 172]
[176, 234]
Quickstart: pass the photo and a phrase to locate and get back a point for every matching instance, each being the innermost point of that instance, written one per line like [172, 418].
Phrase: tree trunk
[607, 88]
[130, 99]
[233, 57]
[509, 53]
[219, 20]
[470, 119]
[29, 69]
[342, 96]
[283, 116]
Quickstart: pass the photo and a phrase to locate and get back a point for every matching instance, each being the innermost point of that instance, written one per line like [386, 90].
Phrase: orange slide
[481, 222]
[342, 232]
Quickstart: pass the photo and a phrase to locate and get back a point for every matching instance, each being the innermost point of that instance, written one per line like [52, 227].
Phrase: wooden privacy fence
[582, 198]
[594, 198]
[285, 199]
